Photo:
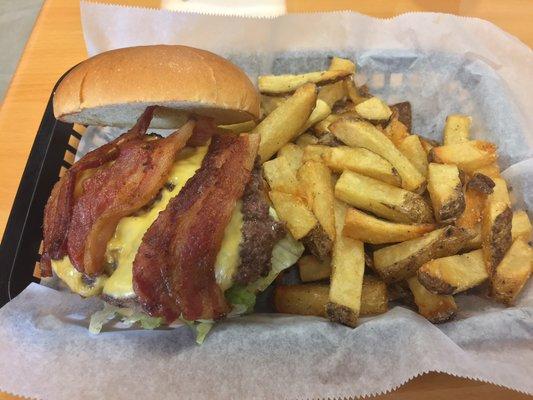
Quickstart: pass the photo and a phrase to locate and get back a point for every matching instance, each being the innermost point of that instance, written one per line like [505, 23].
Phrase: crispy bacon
[118, 190]
[58, 211]
[204, 129]
[173, 272]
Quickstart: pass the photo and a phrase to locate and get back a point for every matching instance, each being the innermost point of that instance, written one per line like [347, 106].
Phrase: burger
[164, 228]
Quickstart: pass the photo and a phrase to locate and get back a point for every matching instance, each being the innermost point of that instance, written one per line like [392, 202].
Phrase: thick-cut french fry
[322, 128]
[315, 152]
[270, 103]
[355, 95]
[332, 93]
[293, 154]
[316, 182]
[312, 269]
[361, 226]
[427, 145]
[400, 261]
[364, 134]
[318, 243]
[521, 226]
[294, 212]
[476, 241]
[321, 111]
[411, 147]
[446, 191]
[481, 183]
[457, 129]
[362, 161]
[384, 200]
[278, 84]
[402, 112]
[453, 274]
[280, 176]
[496, 225]
[396, 131]
[491, 170]
[242, 127]
[512, 273]
[436, 308]
[373, 109]
[311, 298]
[469, 156]
[306, 139]
[284, 123]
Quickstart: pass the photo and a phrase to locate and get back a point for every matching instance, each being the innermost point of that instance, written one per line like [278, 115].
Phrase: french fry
[306, 139]
[321, 128]
[318, 243]
[242, 127]
[364, 134]
[468, 156]
[477, 189]
[362, 161]
[402, 112]
[315, 152]
[457, 129]
[373, 109]
[384, 200]
[446, 191]
[270, 103]
[401, 261]
[427, 145]
[512, 273]
[280, 176]
[332, 93]
[396, 131]
[364, 227]
[294, 212]
[347, 269]
[411, 147]
[490, 170]
[316, 181]
[284, 123]
[311, 298]
[321, 111]
[496, 225]
[279, 84]
[475, 242]
[312, 269]
[453, 274]
[521, 226]
[436, 308]
[353, 92]
[293, 154]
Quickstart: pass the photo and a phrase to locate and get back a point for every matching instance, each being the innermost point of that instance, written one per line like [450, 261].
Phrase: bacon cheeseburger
[164, 228]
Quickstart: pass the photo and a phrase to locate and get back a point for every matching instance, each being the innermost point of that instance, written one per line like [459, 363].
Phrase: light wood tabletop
[56, 44]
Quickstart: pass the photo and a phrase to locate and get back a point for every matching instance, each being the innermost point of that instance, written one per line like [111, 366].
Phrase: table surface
[56, 44]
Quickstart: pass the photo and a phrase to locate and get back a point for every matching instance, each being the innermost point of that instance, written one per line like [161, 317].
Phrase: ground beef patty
[260, 232]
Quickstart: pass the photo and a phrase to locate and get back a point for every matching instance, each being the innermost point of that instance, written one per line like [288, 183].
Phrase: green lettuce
[127, 316]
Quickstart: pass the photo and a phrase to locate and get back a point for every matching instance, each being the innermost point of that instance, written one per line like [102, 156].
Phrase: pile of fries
[385, 214]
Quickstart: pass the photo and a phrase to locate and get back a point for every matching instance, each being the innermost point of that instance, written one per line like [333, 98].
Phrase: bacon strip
[58, 211]
[118, 190]
[173, 272]
[204, 129]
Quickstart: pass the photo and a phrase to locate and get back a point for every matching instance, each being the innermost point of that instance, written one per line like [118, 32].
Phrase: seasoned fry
[411, 147]
[512, 273]
[284, 123]
[332, 93]
[311, 298]
[457, 129]
[491, 170]
[384, 200]
[475, 242]
[316, 182]
[453, 274]
[400, 261]
[312, 269]
[446, 191]
[280, 176]
[362, 161]
[306, 139]
[373, 109]
[469, 156]
[369, 229]
[402, 112]
[396, 131]
[436, 308]
[293, 154]
[496, 225]
[364, 134]
[481, 183]
[279, 84]
[521, 226]
[294, 212]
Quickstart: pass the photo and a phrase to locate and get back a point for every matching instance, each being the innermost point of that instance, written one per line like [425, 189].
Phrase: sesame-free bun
[115, 87]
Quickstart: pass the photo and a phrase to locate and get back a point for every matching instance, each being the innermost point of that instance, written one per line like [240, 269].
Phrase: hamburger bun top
[115, 87]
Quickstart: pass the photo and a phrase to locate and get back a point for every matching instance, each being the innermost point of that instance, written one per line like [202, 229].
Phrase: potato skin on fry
[404, 113]
[435, 308]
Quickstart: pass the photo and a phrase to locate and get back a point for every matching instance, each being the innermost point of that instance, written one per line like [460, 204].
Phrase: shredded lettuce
[126, 315]
[201, 328]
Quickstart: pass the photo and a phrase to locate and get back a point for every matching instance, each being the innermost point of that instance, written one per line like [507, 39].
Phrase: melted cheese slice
[123, 247]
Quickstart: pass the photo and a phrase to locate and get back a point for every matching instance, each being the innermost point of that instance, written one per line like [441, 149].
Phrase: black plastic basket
[19, 251]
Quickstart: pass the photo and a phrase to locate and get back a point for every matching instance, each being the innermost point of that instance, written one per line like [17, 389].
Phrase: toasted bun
[114, 88]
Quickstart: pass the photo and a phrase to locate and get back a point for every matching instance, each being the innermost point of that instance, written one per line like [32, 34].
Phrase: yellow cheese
[74, 279]
[228, 258]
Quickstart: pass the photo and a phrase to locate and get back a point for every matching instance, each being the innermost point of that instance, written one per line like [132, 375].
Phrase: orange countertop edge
[56, 44]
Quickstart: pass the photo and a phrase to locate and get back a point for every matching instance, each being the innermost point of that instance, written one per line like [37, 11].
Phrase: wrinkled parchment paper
[441, 64]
